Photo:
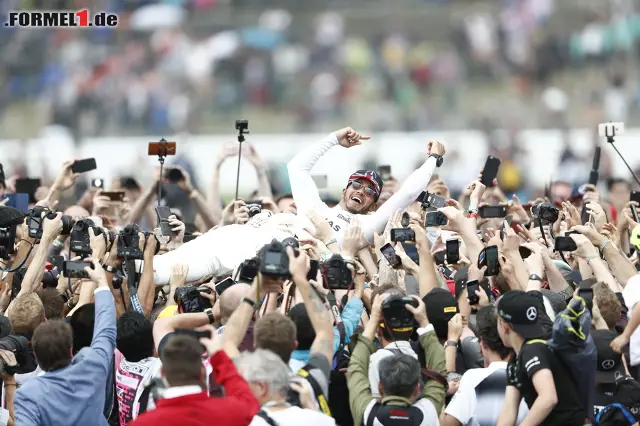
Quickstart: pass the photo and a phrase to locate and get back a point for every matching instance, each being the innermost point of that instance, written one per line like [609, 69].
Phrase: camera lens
[254, 209]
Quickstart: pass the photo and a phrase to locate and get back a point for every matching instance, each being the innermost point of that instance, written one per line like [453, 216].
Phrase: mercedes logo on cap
[608, 364]
[532, 313]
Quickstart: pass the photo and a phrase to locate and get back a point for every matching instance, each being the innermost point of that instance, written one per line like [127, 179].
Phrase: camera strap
[291, 292]
[317, 390]
[337, 318]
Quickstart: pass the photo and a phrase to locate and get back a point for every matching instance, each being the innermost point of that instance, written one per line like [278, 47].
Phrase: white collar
[498, 365]
[178, 391]
[398, 344]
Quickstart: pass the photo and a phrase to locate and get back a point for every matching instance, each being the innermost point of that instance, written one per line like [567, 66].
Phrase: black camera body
[189, 299]
[255, 207]
[274, 260]
[129, 242]
[336, 274]
[395, 314]
[80, 241]
[36, 220]
[19, 345]
[242, 125]
[546, 212]
[7, 241]
[248, 270]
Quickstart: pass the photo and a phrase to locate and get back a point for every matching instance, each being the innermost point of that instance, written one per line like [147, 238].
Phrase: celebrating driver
[360, 196]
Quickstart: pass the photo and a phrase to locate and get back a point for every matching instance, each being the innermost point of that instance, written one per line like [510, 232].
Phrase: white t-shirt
[131, 378]
[429, 413]
[295, 416]
[473, 406]
[631, 295]
[374, 373]
[307, 198]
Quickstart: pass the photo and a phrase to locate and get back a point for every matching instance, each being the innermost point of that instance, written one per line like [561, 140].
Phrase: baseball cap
[441, 306]
[370, 175]
[635, 237]
[610, 366]
[522, 311]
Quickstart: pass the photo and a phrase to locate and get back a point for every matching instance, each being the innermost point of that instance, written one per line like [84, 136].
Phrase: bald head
[77, 212]
[231, 299]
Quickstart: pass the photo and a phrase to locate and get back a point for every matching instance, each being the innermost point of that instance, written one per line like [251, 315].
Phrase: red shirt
[237, 408]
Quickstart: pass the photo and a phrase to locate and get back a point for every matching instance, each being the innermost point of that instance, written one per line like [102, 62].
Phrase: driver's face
[359, 197]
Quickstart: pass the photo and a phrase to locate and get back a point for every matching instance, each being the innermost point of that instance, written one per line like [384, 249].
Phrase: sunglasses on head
[370, 192]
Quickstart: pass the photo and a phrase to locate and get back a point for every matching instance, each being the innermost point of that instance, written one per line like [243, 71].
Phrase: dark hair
[282, 197]
[384, 288]
[51, 344]
[305, 334]
[277, 333]
[135, 336]
[487, 320]
[52, 302]
[399, 375]
[82, 322]
[181, 358]
[615, 181]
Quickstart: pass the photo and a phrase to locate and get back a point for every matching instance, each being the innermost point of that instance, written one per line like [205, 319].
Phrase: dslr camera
[248, 270]
[129, 242]
[36, 220]
[396, 316]
[336, 274]
[274, 260]
[10, 218]
[545, 212]
[19, 345]
[189, 299]
[80, 241]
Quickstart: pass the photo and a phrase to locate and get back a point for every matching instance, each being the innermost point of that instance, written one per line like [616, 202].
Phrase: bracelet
[602, 246]
[590, 258]
[110, 269]
[249, 302]
[331, 241]
[209, 313]
[472, 215]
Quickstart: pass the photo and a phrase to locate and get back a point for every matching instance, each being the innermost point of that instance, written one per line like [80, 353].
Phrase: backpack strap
[320, 396]
[144, 398]
[372, 414]
[264, 416]
[331, 298]
[630, 418]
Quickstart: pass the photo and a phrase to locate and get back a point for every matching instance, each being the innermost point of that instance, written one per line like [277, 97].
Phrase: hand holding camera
[97, 243]
[178, 228]
[597, 212]
[307, 401]
[298, 265]
[212, 344]
[52, 227]
[95, 272]
[241, 212]
[585, 249]
[419, 312]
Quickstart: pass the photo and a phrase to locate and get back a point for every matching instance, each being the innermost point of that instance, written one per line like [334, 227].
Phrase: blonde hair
[26, 313]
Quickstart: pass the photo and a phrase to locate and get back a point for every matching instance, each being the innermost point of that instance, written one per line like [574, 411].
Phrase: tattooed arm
[320, 317]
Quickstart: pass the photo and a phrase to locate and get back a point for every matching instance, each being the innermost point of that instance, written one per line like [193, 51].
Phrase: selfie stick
[161, 154]
[610, 139]
[241, 131]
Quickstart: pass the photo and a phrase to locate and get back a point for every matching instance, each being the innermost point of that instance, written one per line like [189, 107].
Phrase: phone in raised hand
[453, 252]
[83, 166]
[163, 213]
[389, 253]
[489, 258]
[490, 171]
[491, 212]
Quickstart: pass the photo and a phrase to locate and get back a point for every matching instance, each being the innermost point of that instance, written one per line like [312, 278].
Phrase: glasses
[370, 192]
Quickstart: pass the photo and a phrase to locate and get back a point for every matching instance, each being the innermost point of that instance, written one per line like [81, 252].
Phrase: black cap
[10, 216]
[522, 311]
[441, 306]
[610, 366]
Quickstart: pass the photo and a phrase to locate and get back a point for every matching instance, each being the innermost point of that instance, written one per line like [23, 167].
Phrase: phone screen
[113, 195]
[82, 166]
[488, 212]
[453, 252]
[635, 196]
[490, 171]
[162, 148]
[489, 257]
[435, 219]
[565, 243]
[313, 270]
[385, 172]
[472, 286]
[587, 295]
[389, 253]
[223, 285]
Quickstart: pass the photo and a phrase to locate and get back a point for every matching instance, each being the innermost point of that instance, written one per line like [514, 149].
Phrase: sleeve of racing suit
[303, 188]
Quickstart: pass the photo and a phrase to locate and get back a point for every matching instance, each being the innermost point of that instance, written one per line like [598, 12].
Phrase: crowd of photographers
[395, 305]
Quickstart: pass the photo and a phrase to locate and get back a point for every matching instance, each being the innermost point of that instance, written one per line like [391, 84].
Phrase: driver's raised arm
[410, 190]
[303, 188]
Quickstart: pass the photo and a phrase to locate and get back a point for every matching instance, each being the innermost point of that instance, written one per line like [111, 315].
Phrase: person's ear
[295, 345]
[380, 389]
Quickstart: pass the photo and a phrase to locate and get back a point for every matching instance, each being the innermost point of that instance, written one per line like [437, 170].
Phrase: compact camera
[255, 207]
[336, 274]
[36, 220]
[189, 299]
[546, 212]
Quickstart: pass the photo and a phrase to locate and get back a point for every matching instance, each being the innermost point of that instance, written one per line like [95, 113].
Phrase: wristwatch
[453, 343]
[439, 159]
[108, 268]
[209, 313]
[534, 277]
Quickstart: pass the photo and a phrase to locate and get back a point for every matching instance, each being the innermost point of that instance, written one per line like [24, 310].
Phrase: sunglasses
[370, 192]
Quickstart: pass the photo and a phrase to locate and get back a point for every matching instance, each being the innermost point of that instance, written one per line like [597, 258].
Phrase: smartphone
[223, 285]
[565, 243]
[435, 219]
[83, 166]
[18, 201]
[438, 258]
[162, 148]
[313, 270]
[75, 269]
[472, 287]
[97, 183]
[385, 172]
[57, 262]
[402, 234]
[174, 175]
[634, 213]
[489, 258]
[586, 292]
[114, 195]
[447, 272]
[635, 196]
[320, 181]
[488, 212]
[412, 251]
[453, 252]
[389, 253]
[524, 252]
[435, 201]
[28, 186]
[490, 171]
[163, 213]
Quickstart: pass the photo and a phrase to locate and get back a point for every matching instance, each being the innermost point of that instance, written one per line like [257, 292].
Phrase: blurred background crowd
[194, 66]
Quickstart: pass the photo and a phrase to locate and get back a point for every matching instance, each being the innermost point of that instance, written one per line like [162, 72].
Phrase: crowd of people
[394, 305]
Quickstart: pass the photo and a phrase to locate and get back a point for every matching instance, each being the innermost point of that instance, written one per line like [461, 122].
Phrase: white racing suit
[307, 198]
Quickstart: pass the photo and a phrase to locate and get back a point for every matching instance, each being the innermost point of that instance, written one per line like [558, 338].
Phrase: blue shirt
[74, 395]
